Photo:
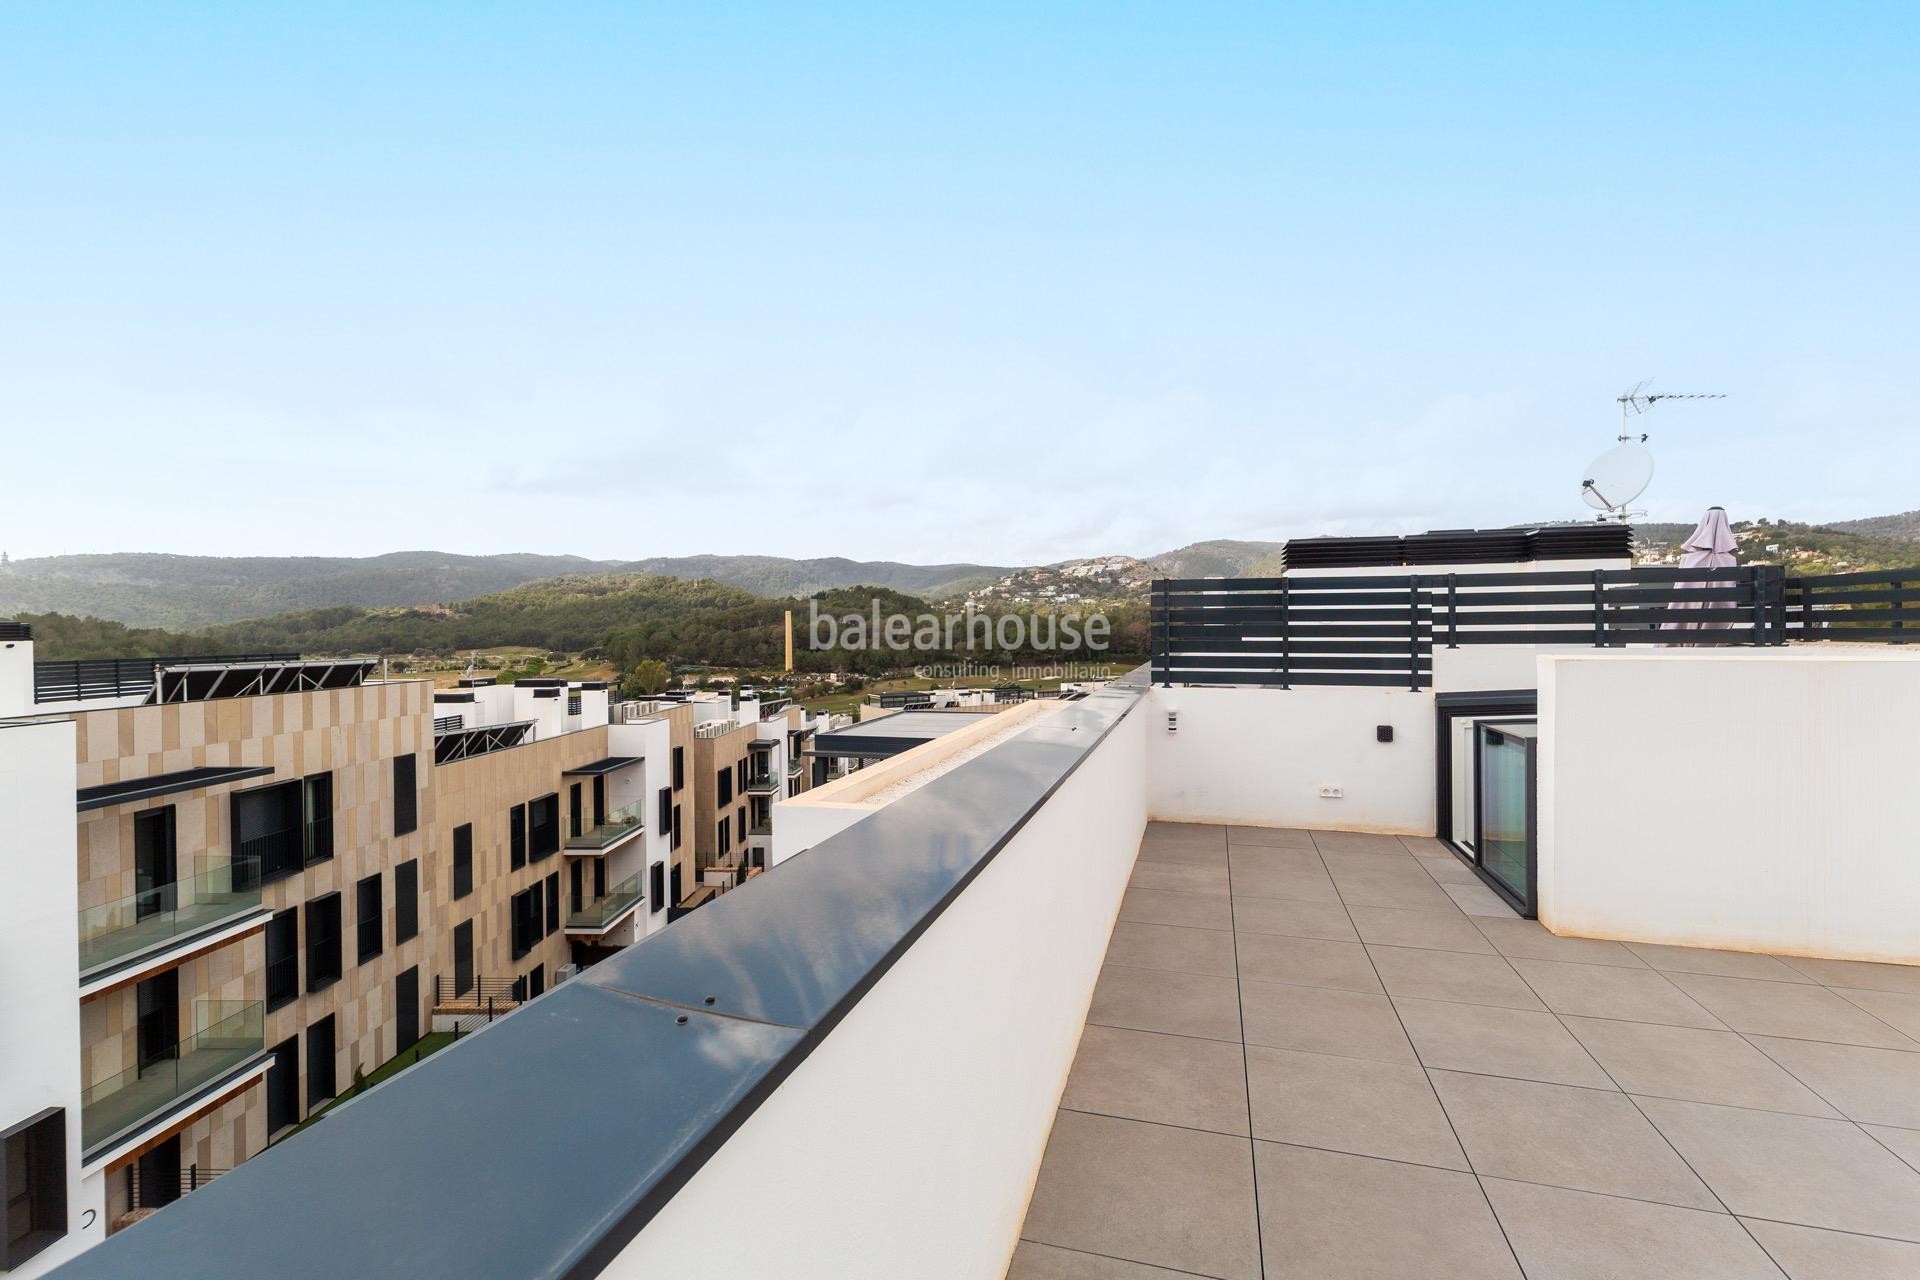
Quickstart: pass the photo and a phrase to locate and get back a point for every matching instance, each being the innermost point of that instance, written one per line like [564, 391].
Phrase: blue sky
[1006, 283]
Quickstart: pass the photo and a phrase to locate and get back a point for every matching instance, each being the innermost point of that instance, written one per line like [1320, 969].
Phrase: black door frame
[1478, 704]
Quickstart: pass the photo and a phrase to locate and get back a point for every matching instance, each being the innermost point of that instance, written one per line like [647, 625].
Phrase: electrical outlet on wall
[1330, 791]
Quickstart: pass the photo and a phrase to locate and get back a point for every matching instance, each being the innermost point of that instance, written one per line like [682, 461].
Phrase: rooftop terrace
[1326, 1054]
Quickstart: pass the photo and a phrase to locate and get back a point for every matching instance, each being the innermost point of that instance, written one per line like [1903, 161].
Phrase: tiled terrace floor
[1321, 1054]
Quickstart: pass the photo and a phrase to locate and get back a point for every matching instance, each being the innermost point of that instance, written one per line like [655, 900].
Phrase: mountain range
[190, 592]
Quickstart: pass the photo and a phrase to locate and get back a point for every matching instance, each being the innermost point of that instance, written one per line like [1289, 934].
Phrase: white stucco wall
[1261, 756]
[39, 960]
[964, 1044]
[1742, 799]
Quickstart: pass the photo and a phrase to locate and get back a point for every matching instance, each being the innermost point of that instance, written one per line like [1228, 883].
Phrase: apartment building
[234, 885]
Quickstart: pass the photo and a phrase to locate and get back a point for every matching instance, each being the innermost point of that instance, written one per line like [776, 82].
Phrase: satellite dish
[1617, 477]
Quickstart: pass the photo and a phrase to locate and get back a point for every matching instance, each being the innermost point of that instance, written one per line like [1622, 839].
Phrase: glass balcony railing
[762, 784]
[150, 919]
[233, 1033]
[602, 912]
[619, 824]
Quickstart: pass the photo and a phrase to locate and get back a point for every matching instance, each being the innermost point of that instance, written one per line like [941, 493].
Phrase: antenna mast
[1638, 399]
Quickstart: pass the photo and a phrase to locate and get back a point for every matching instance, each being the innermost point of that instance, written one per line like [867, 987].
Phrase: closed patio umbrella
[1709, 546]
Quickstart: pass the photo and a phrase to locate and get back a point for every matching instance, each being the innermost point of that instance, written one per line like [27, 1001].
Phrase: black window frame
[406, 901]
[368, 917]
[325, 934]
[462, 860]
[41, 1141]
[657, 886]
[462, 951]
[323, 1069]
[275, 854]
[406, 794]
[543, 827]
[283, 959]
[676, 826]
[524, 916]
[666, 809]
[283, 1078]
[723, 786]
[679, 768]
[553, 901]
[316, 815]
[517, 837]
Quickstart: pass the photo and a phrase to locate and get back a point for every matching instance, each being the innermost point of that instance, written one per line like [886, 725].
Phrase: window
[283, 1086]
[406, 796]
[323, 944]
[553, 899]
[406, 1010]
[657, 885]
[740, 774]
[33, 1185]
[666, 809]
[316, 808]
[320, 1063]
[283, 957]
[723, 837]
[526, 916]
[676, 826]
[543, 827]
[679, 768]
[463, 958]
[463, 860]
[723, 786]
[266, 834]
[517, 834]
[406, 901]
[740, 826]
[366, 896]
[576, 816]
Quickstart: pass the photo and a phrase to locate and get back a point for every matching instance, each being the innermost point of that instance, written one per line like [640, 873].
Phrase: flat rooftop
[890, 735]
[1329, 1054]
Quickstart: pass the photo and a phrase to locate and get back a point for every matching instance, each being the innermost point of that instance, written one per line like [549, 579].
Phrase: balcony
[762, 784]
[203, 1069]
[620, 826]
[602, 914]
[1116, 998]
[132, 936]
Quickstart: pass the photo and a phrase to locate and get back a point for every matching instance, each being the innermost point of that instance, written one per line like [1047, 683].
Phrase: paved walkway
[1326, 1055]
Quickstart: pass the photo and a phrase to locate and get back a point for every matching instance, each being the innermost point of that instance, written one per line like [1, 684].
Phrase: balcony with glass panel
[619, 826]
[165, 923]
[603, 913]
[198, 1071]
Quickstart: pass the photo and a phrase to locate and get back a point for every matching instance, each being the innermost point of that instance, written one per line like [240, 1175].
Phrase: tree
[647, 678]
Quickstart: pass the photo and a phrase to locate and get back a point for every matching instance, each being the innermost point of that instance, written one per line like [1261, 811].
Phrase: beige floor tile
[1296, 919]
[1599, 991]
[1357, 842]
[1349, 1104]
[1192, 910]
[1306, 962]
[1819, 1173]
[1576, 1235]
[1794, 1010]
[1147, 1193]
[1032, 1261]
[1873, 1086]
[1145, 1075]
[1498, 1042]
[1167, 946]
[1351, 1024]
[1897, 1009]
[1329, 1216]
[1447, 930]
[1181, 1004]
[1586, 1139]
[1270, 837]
[1694, 1065]
[1528, 940]
[1809, 1253]
[1721, 964]
[1452, 975]
[1175, 878]
[1860, 975]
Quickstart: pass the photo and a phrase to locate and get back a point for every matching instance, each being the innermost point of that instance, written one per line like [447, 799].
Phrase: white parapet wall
[1752, 800]
[1254, 756]
[911, 1137]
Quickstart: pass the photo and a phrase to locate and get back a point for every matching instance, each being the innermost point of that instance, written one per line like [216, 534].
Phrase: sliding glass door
[1504, 757]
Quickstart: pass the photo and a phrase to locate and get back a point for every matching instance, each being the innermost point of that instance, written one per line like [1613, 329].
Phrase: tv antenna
[1637, 400]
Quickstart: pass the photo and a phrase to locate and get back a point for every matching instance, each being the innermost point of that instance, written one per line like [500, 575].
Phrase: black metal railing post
[1599, 610]
[1413, 632]
[1453, 611]
[1286, 637]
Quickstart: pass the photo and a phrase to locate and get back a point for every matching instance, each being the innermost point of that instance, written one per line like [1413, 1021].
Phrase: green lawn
[426, 1045]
